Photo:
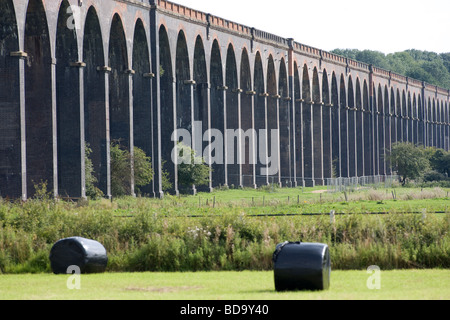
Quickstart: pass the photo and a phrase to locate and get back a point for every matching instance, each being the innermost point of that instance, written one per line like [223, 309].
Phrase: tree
[426, 66]
[165, 178]
[92, 191]
[192, 170]
[409, 161]
[439, 160]
[121, 172]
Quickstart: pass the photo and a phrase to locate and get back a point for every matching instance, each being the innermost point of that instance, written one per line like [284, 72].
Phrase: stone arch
[398, 118]
[392, 117]
[217, 110]
[120, 104]
[447, 126]
[247, 120]
[317, 135]
[404, 117]
[260, 117]
[409, 117]
[359, 130]
[298, 126]
[442, 125]
[335, 127]
[142, 96]
[351, 127]
[429, 111]
[307, 127]
[272, 116]
[415, 120]
[10, 121]
[437, 127]
[168, 124]
[284, 125]
[387, 130]
[184, 86]
[375, 140]
[69, 114]
[421, 120]
[368, 138]
[232, 118]
[380, 131]
[200, 96]
[119, 83]
[38, 100]
[95, 114]
[343, 124]
[326, 127]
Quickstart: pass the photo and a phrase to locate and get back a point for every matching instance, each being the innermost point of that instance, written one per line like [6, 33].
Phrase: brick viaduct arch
[78, 72]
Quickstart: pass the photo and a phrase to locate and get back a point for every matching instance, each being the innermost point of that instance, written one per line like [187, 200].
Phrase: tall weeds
[146, 240]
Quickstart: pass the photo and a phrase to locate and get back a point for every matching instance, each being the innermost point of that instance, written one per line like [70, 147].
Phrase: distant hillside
[430, 67]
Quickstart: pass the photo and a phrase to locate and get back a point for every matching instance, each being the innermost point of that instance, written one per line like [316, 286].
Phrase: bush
[91, 189]
[192, 170]
[433, 176]
[121, 171]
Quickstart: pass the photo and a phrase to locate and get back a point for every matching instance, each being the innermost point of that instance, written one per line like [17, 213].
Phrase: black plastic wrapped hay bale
[302, 266]
[89, 255]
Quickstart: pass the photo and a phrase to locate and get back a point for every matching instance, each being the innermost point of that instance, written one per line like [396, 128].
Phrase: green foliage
[121, 171]
[165, 177]
[439, 160]
[155, 239]
[92, 191]
[426, 66]
[192, 170]
[412, 162]
[409, 161]
[41, 192]
[143, 172]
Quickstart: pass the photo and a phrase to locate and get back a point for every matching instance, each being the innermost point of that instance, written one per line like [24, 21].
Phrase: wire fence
[335, 185]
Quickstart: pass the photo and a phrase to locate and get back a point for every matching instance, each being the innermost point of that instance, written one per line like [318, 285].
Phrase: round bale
[300, 266]
[89, 255]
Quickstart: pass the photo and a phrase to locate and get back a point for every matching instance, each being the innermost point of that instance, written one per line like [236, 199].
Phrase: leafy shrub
[121, 170]
[433, 176]
[92, 191]
[192, 170]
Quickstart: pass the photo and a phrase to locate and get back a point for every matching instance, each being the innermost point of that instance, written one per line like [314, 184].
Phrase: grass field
[232, 230]
[293, 200]
[345, 285]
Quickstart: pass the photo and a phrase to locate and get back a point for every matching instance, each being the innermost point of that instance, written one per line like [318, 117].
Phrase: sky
[382, 25]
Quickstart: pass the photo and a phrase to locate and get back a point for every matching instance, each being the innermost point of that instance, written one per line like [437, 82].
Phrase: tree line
[127, 169]
[417, 163]
[431, 67]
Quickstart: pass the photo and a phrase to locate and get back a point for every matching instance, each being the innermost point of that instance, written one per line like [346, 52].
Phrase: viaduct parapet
[77, 72]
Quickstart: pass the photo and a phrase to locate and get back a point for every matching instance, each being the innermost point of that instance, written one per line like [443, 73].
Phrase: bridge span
[77, 72]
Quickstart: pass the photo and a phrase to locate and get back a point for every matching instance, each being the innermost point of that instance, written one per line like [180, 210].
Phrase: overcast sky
[383, 25]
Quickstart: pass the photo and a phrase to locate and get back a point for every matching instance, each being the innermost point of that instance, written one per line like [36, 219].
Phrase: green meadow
[219, 246]
[345, 285]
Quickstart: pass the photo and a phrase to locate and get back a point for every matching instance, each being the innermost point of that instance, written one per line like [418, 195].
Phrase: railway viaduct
[74, 72]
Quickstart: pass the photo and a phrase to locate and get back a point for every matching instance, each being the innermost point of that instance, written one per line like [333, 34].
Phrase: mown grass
[181, 234]
[345, 285]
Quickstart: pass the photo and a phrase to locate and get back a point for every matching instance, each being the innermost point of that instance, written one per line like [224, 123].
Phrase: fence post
[424, 214]
[332, 217]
